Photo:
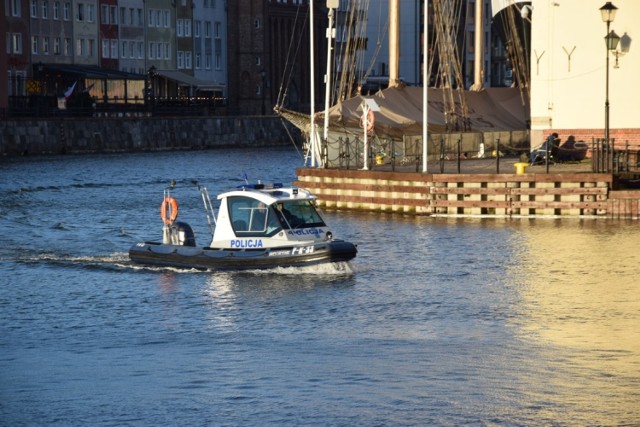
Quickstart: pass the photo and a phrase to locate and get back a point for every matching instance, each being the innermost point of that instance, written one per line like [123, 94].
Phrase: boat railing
[208, 207]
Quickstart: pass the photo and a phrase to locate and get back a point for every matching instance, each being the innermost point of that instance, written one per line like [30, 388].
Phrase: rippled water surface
[436, 322]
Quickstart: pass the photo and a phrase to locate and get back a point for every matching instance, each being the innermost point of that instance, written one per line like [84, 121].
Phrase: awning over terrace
[86, 72]
[186, 80]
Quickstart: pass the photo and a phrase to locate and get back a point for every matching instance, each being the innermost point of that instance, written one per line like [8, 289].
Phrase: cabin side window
[298, 214]
[250, 217]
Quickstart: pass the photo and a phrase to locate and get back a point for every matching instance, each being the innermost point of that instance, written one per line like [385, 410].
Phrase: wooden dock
[566, 193]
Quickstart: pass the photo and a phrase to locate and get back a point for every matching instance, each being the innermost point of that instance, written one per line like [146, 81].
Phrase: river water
[436, 322]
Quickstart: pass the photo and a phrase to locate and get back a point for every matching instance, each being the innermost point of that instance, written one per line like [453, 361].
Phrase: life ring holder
[169, 210]
[368, 121]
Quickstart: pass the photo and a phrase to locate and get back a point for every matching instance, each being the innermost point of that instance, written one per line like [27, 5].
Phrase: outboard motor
[182, 234]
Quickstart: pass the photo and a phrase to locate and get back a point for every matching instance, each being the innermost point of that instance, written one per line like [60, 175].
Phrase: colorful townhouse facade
[116, 51]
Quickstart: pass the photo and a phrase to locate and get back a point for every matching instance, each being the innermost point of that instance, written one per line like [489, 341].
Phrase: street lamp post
[608, 12]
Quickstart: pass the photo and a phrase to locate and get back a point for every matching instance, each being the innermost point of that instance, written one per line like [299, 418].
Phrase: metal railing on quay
[615, 158]
[40, 106]
[445, 155]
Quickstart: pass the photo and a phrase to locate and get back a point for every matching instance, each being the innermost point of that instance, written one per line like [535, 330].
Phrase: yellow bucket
[379, 159]
[520, 167]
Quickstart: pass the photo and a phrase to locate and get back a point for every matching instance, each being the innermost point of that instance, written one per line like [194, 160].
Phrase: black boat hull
[157, 254]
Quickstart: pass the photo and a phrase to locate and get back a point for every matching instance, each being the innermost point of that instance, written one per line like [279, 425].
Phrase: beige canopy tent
[400, 111]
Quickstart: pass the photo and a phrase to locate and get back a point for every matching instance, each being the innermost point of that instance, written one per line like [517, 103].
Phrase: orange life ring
[169, 210]
[368, 121]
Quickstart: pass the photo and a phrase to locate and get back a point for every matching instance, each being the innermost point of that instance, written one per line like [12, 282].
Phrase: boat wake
[325, 269]
[121, 261]
[112, 261]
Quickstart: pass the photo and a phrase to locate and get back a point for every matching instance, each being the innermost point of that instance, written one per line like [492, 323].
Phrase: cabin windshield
[250, 217]
[298, 214]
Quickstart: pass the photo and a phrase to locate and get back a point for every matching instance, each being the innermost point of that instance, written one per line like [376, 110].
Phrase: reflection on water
[580, 303]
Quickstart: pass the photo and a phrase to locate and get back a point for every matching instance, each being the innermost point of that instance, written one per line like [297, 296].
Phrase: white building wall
[568, 93]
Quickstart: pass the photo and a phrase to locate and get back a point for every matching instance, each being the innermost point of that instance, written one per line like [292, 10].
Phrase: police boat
[257, 227]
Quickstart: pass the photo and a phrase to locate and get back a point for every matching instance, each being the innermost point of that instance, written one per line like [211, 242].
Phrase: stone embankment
[130, 134]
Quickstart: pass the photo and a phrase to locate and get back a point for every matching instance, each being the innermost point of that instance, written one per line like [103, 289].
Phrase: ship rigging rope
[381, 35]
[516, 54]
[284, 80]
[449, 76]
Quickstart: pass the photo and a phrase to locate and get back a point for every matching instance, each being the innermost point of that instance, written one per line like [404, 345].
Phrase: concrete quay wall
[491, 195]
[124, 134]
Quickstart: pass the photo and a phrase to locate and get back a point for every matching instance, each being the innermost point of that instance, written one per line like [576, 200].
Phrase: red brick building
[269, 54]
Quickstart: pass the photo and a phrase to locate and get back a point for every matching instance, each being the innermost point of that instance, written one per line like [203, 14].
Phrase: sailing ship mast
[394, 43]
[478, 72]
[312, 132]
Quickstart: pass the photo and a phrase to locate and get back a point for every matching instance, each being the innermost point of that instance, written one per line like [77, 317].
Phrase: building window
[56, 46]
[56, 10]
[152, 49]
[45, 9]
[104, 15]
[123, 50]
[180, 28]
[105, 48]
[187, 28]
[187, 60]
[113, 15]
[207, 61]
[34, 8]
[80, 16]
[34, 45]
[216, 30]
[165, 18]
[45, 45]
[196, 28]
[68, 47]
[140, 18]
[67, 11]
[207, 29]
[218, 61]
[198, 61]
[91, 13]
[80, 47]
[180, 60]
[140, 50]
[132, 50]
[114, 48]
[16, 42]
[123, 16]
[167, 51]
[16, 8]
